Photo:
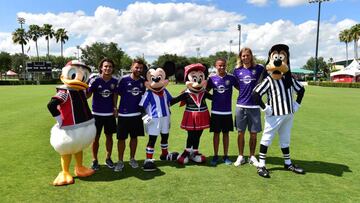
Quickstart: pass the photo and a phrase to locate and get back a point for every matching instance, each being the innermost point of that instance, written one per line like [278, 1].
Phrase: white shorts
[158, 125]
[277, 124]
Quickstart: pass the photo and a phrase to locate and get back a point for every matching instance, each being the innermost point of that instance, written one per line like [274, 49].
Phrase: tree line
[350, 35]
[35, 32]
[92, 54]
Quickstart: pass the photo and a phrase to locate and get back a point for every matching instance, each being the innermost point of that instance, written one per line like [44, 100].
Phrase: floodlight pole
[317, 36]
[78, 52]
[239, 29]
[230, 42]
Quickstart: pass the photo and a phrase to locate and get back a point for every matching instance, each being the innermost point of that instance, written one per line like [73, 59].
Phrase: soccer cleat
[133, 163]
[109, 163]
[294, 168]
[263, 172]
[214, 161]
[227, 161]
[183, 158]
[119, 166]
[172, 156]
[95, 165]
[239, 161]
[253, 161]
[197, 157]
[149, 165]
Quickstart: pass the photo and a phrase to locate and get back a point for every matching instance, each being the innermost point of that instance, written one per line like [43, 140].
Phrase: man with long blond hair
[247, 116]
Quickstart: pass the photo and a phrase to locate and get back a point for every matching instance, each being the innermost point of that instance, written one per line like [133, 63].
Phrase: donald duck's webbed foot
[82, 171]
[64, 178]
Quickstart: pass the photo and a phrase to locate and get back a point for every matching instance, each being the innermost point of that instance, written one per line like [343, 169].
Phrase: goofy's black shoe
[294, 168]
[263, 172]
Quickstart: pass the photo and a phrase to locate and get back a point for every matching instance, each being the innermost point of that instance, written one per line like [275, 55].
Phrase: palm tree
[344, 36]
[355, 34]
[61, 36]
[35, 33]
[48, 32]
[20, 37]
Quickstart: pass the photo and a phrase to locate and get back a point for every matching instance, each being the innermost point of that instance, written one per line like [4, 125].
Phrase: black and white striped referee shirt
[278, 97]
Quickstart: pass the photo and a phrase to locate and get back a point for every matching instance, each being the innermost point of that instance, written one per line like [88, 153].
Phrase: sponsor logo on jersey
[105, 93]
[247, 79]
[135, 91]
[221, 89]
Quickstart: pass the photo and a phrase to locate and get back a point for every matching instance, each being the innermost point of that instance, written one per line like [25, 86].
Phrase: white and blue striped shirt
[156, 105]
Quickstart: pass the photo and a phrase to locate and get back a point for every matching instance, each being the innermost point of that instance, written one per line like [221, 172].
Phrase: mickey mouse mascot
[75, 129]
[280, 107]
[196, 116]
[156, 103]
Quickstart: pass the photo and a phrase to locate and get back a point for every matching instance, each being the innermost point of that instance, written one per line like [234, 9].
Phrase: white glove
[268, 110]
[58, 120]
[146, 119]
[296, 106]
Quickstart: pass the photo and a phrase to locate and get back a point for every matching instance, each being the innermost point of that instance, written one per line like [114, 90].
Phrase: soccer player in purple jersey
[248, 74]
[102, 88]
[130, 89]
[221, 120]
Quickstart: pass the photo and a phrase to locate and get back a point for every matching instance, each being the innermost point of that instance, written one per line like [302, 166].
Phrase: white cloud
[290, 3]
[180, 28]
[257, 2]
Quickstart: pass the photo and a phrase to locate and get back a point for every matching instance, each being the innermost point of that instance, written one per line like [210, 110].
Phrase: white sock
[261, 162]
[287, 161]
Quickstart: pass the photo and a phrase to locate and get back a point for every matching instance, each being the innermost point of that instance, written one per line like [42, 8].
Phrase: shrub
[29, 82]
[334, 84]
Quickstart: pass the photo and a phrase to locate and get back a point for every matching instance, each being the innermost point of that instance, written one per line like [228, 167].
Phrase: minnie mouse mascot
[196, 116]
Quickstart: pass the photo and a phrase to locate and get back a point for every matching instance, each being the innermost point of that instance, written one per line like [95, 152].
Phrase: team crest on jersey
[254, 72]
[112, 86]
[227, 82]
[99, 86]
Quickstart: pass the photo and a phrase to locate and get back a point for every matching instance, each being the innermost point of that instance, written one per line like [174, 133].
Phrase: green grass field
[325, 142]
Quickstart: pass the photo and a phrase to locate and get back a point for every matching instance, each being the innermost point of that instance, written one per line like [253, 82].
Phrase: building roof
[301, 70]
[353, 69]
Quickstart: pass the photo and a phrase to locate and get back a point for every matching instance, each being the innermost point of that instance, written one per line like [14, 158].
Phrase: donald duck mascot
[75, 128]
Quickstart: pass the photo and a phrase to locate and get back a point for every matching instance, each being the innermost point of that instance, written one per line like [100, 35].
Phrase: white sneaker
[253, 161]
[119, 166]
[133, 163]
[239, 161]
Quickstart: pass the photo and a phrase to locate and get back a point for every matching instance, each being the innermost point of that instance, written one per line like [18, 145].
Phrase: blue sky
[335, 9]
[260, 22]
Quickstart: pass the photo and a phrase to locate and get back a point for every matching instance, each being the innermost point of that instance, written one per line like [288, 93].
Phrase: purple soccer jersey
[247, 79]
[103, 92]
[222, 93]
[130, 92]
